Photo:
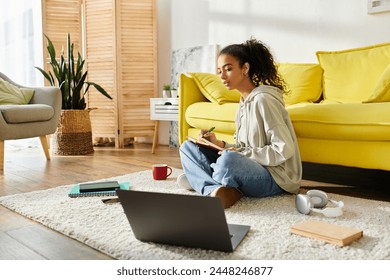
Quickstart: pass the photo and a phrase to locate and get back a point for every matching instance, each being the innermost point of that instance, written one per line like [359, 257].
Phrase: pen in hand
[208, 131]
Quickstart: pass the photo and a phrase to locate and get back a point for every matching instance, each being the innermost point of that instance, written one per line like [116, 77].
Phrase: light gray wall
[293, 29]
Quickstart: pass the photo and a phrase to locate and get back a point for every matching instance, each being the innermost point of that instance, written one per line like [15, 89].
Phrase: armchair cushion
[11, 94]
[26, 113]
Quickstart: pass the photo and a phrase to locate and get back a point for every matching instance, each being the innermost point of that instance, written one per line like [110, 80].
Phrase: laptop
[182, 220]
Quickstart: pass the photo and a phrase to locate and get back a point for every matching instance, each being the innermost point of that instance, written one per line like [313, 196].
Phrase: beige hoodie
[265, 134]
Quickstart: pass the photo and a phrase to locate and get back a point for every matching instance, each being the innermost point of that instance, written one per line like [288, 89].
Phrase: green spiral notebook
[75, 191]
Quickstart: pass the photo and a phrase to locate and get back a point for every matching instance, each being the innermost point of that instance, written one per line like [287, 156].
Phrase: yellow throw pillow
[10, 94]
[382, 89]
[213, 89]
[351, 75]
[303, 81]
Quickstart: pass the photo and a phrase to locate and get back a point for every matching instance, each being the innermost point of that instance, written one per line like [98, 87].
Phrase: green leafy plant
[166, 87]
[69, 76]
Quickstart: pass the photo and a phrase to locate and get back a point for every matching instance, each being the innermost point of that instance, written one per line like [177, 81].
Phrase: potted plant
[174, 93]
[74, 132]
[166, 91]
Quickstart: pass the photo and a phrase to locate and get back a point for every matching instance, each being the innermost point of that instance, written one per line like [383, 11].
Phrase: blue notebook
[75, 191]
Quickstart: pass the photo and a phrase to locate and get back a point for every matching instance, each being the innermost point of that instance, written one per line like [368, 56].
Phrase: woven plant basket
[74, 134]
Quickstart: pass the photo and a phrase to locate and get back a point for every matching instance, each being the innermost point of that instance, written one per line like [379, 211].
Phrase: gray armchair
[39, 118]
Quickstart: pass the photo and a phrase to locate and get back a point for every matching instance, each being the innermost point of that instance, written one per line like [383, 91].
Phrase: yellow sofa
[340, 107]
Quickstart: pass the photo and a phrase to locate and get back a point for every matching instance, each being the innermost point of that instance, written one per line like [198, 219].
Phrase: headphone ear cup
[303, 204]
[318, 198]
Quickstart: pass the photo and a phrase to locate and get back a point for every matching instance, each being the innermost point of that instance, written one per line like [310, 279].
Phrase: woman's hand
[206, 134]
[210, 136]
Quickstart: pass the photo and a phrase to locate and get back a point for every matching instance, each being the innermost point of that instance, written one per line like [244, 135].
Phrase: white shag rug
[105, 227]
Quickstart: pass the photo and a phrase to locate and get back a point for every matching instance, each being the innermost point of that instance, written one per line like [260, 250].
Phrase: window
[21, 41]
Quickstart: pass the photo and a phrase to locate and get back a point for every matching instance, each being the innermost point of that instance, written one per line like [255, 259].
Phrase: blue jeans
[206, 170]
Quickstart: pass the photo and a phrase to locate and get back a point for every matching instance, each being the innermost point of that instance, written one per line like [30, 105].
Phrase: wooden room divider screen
[120, 48]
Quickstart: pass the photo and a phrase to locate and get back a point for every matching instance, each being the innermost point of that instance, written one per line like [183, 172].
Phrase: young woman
[264, 160]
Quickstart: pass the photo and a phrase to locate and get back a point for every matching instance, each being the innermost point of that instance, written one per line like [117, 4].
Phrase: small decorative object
[166, 91]
[174, 93]
[74, 132]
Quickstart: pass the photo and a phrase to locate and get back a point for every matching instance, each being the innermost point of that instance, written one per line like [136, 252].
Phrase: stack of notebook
[107, 188]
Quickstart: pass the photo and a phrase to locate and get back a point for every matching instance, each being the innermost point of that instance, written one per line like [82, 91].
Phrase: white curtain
[21, 41]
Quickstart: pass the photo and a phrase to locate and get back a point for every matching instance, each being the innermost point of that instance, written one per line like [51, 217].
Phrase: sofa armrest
[189, 93]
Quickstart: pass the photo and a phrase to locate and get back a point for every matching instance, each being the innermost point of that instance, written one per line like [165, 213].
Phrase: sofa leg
[1, 156]
[45, 146]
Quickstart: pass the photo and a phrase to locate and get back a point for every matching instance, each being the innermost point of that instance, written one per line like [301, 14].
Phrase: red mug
[161, 171]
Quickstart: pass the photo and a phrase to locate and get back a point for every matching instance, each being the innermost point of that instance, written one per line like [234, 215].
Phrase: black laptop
[182, 220]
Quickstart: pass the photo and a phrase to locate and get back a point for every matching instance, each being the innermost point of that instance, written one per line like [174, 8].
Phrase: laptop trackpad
[237, 233]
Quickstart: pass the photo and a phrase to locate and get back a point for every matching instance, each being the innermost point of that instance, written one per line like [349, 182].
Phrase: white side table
[162, 109]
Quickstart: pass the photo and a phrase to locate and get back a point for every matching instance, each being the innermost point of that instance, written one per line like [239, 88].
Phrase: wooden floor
[26, 170]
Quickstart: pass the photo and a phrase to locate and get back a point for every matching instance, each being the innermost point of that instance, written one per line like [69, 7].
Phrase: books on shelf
[97, 189]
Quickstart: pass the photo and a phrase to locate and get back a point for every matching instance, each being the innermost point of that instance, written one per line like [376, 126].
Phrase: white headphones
[316, 200]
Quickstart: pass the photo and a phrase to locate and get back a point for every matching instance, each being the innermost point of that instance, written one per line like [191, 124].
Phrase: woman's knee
[186, 146]
[229, 158]
[226, 162]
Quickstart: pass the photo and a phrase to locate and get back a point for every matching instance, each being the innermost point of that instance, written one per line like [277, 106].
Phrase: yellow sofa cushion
[382, 89]
[11, 94]
[346, 122]
[207, 114]
[351, 75]
[303, 81]
[213, 89]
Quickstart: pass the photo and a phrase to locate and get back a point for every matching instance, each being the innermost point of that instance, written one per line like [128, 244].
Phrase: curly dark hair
[262, 70]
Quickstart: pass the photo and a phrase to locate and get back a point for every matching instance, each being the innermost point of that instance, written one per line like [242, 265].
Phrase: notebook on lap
[182, 220]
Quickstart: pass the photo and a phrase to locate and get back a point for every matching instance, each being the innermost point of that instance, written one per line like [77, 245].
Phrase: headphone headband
[316, 200]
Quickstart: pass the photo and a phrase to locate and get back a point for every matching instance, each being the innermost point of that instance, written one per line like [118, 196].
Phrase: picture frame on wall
[378, 6]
